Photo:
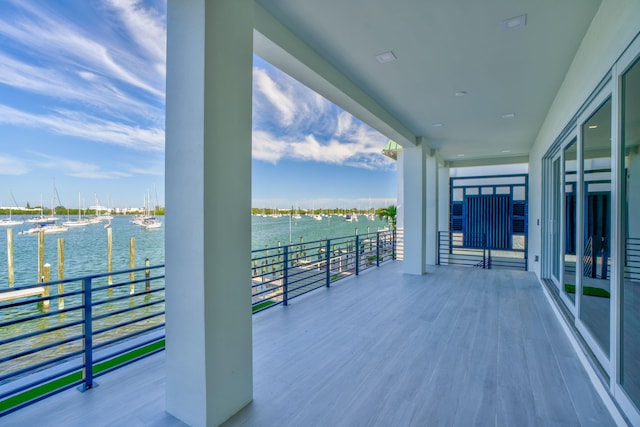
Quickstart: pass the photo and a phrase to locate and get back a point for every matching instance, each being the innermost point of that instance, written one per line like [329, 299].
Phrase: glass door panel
[555, 221]
[595, 301]
[569, 218]
[630, 318]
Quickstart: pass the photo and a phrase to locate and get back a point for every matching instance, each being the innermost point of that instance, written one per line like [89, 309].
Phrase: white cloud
[72, 123]
[267, 147]
[345, 122]
[91, 89]
[362, 153]
[293, 122]
[75, 168]
[10, 165]
[52, 38]
[146, 26]
[279, 98]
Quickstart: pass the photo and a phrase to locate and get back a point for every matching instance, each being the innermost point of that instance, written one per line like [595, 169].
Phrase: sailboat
[80, 222]
[296, 214]
[148, 221]
[8, 222]
[42, 219]
[46, 229]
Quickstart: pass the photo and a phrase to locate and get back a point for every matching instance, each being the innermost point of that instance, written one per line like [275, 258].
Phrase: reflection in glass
[555, 221]
[594, 299]
[630, 334]
[569, 259]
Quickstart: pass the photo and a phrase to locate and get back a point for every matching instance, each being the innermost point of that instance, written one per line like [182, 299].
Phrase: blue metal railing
[65, 333]
[472, 250]
[632, 259]
[86, 327]
[285, 272]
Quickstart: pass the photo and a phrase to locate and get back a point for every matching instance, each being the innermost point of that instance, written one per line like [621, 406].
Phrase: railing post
[147, 275]
[378, 249]
[46, 278]
[393, 244]
[285, 277]
[484, 251]
[328, 256]
[87, 332]
[439, 237]
[357, 254]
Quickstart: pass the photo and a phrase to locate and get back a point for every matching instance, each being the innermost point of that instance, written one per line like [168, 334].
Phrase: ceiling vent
[386, 57]
[515, 22]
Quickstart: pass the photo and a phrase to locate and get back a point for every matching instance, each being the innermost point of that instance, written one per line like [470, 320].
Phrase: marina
[86, 250]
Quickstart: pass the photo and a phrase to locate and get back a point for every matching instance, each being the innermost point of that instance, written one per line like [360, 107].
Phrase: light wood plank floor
[456, 347]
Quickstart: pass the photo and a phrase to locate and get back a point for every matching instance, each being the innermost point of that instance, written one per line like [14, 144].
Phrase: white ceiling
[446, 46]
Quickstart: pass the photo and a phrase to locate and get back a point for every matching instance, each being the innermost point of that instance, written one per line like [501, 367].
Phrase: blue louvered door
[490, 216]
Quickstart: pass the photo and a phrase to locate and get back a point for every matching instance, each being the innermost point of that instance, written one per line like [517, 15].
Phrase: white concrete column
[400, 189]
[444, 196]
[208, 193]
[431, 194]
[414, 213]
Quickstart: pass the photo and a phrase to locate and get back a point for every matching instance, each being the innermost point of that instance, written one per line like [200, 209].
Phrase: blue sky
[82, 106]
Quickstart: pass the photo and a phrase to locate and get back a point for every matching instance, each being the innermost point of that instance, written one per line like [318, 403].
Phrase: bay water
[85, 248]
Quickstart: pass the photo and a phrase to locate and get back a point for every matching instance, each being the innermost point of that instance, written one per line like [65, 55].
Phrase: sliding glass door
[595, 298]
[630, 295]
[556, 180]
[569, 224]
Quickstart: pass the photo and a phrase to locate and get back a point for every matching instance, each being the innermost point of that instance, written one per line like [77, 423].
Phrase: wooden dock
[22, 293]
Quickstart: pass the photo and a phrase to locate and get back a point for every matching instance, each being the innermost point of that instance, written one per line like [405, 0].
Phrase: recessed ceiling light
[593, 127]
[437, 125]
[460, 155]
[461, 93]
[386, 57]
[515, 22]
[508, 116]
[506, 151]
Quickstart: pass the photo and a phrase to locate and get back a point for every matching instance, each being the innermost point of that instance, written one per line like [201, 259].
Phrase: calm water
[268, 231]
[85, 248]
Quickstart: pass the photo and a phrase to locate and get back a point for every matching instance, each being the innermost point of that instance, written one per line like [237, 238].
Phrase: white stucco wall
[615, 25]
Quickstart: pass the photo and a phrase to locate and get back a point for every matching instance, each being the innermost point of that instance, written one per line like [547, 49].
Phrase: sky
[82, 101]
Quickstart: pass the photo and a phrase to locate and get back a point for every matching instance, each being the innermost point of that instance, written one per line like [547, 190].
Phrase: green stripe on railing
[127, 357]
[74, 377]
[262, 305]
[39, 391]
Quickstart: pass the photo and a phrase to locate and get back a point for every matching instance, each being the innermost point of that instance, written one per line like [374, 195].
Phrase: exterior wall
[612, 29]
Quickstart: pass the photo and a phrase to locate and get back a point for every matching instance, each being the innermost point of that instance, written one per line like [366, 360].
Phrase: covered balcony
[458, 346]
[455, 84]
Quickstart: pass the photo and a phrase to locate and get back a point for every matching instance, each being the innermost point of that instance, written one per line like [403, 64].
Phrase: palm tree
[389, 213]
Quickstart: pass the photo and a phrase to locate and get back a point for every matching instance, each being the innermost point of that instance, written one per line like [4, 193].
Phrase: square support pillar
[414, 207]
[419, 167]
[431, 195]
[444, 195]
[208, 223]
